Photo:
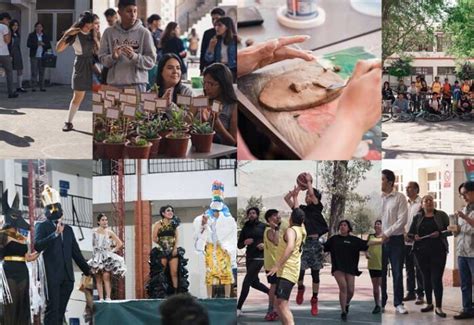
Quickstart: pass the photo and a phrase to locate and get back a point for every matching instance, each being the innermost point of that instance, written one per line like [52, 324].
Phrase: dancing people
[168, 273]
[59, 246]
[251, 237]
[428, 230]
[288, 262]
[84, 40]
[315, 226]
[215, 236]
[345, 250]
[14, 253]
[374, 265]
[105, 262]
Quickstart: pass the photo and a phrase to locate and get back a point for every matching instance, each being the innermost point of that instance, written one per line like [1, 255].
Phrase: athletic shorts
[272, 279]
[283, 289]
[375, 273]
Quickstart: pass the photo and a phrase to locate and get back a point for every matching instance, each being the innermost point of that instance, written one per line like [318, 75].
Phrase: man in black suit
[59, 246]
[216, 13]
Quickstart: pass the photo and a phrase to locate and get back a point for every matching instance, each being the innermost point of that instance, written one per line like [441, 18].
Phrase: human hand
[360, 100]
[248, 241]
[454, 229]
[417, 238]
[260, 246]
[59, 228]
[128, 51]
[273, 270]
[117, 52]
[255, 57]
[309, 179]
[385, 238]
[72, 31]
[31, 256]
[460, 214]
[213, 43]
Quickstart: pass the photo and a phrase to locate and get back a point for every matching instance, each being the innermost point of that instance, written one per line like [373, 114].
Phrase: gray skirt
[82, 73]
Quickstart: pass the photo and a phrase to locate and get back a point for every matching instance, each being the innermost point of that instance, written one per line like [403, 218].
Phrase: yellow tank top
[270, 250]
[291, 269]
[375, 252]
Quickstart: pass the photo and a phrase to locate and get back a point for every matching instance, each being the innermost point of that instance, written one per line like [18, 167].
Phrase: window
[444, 71]
[398, 183]
[54, 4]
[422, 71]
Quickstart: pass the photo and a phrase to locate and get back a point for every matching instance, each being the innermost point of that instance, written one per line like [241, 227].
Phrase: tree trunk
[338, 200]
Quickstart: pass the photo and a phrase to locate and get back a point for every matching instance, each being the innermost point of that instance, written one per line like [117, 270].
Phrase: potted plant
[178, 140]
[114, 145]
[149, 131]
[202, 135]
[138, 148]
[98, 145]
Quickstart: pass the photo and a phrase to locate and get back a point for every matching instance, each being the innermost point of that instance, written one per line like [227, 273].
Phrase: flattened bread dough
[302, 88]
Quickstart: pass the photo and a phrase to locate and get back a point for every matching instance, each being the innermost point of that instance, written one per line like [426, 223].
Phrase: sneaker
[14, 95]
[376, 310]
[409, 297]
[401, 309]
[21, 90]
[440, 312]
[419, 301]
[464, 315]
[108, 299]
[427, 308]
[276, 316]
[42, 89]
[300, 295]
[269, 317]
[314, 306]
[67, 127]
[344, 316]
[347, 309]
[239, 312]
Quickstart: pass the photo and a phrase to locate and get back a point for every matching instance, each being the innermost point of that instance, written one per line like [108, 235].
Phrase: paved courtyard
[30, 126]
[426, 140]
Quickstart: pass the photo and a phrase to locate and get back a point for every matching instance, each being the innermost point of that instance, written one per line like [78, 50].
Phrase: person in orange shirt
[465, 88]
[446, 101]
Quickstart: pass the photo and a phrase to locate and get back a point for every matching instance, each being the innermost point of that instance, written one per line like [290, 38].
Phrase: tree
[409, 23]
[340, 179]
[459, 27]
[361, 221]
[400, 68]
[465, 71]
[242, 213]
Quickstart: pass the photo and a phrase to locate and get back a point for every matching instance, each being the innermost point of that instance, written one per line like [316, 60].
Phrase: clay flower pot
[177, 147]
[202, 142]
[164, 142]
[98, 150]
[137, 152]
[113, 150]
[155, 147]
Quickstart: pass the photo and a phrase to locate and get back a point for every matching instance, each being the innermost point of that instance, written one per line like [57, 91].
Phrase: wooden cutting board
[297, 131]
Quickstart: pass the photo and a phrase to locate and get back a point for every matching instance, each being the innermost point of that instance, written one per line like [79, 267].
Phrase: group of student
[287, 251]
[443, 95]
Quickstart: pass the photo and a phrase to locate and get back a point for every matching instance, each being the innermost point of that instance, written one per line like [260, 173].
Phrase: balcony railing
[188, 165]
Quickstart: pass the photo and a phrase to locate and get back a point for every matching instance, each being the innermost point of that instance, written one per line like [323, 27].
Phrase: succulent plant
[201, 127]
[116, 138]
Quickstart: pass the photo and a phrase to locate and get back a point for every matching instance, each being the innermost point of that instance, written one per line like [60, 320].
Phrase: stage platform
[146, 311]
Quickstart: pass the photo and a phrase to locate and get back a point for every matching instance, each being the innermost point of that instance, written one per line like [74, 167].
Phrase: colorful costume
[217, 239]
[103, 259]
[160, 284]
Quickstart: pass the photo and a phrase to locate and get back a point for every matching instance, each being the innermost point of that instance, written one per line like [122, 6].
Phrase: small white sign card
[216, 106]
[200, 101]
[131, 99]
[184, 100]
[123, 98]
[149, 105]
[129, 111]
[161, 103]
[147, 96]
[102, 93]
[113, 113]
[112, 93]
[98, 108]
[107, 103]
[130, 91]
[96, 97]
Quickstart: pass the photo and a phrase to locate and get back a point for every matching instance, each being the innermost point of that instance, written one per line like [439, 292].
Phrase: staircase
[189, 12]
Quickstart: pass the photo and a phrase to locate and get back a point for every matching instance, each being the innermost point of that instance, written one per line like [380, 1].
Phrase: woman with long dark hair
[15, 52]
[217, 79]
[171, 43]
[84, 40]
[223, 47]
[168, 78]
[168, 274]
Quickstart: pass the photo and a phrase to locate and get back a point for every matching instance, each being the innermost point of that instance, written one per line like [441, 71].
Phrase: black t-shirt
[313, 220]
[345, 253]
[427, 227]
[255, 231]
